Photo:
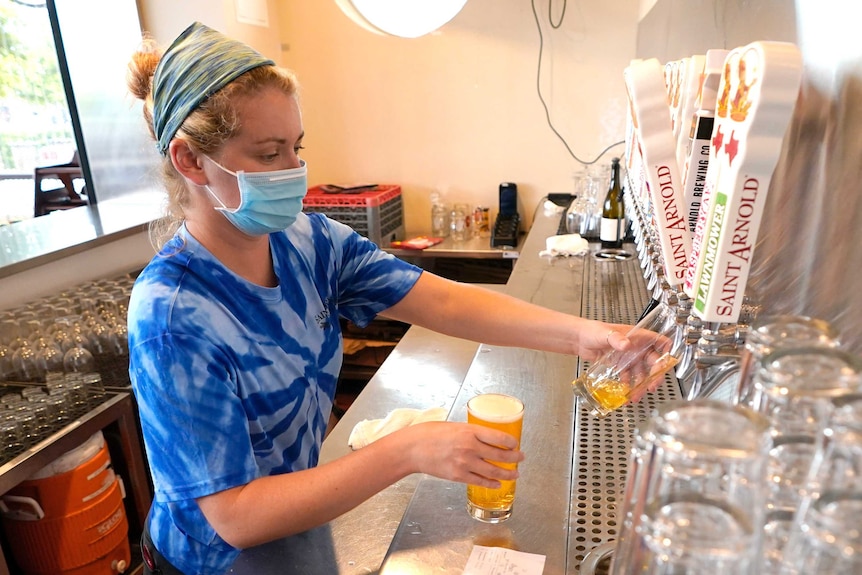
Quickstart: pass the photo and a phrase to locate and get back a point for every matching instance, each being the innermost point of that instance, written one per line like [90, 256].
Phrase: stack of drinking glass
[57, 356]
[770, 483]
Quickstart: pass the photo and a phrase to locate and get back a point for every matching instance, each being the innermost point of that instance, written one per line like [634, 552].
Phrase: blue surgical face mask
[269, 201]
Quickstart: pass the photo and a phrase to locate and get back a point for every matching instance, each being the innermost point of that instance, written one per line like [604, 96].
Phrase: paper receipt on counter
[502, 561]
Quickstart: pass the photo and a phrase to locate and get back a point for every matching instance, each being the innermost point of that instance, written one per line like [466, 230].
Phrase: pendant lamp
[404, 18]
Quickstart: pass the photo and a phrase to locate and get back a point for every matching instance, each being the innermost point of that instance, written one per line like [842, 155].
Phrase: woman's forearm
[498, 319]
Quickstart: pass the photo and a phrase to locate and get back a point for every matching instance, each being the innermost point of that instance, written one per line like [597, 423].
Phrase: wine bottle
[613, 211]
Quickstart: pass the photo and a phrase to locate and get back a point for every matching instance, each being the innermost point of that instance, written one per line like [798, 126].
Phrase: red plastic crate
[377, 214]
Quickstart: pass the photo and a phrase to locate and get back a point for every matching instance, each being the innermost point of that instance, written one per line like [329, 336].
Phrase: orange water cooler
[69, 518]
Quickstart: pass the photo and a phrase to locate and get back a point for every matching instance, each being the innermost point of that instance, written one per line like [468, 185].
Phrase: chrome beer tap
[691, 335]
[717, 357]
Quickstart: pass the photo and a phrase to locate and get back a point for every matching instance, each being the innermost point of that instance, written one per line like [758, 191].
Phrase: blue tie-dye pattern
[235, 381]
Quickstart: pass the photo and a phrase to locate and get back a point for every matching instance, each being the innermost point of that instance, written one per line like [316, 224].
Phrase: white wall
[165, 19]
[456, 111]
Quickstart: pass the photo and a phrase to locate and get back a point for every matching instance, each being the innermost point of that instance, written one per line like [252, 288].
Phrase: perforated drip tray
[613, 293]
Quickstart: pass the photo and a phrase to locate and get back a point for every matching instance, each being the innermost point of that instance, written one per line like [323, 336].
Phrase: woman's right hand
[462, 452]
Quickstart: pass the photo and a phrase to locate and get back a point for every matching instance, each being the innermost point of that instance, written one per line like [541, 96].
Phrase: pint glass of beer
[505, 413]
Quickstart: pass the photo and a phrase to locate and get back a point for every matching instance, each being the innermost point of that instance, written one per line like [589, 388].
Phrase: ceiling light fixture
[404, 18]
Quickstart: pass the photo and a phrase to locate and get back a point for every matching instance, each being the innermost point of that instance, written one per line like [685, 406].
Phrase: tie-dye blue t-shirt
[235, 381]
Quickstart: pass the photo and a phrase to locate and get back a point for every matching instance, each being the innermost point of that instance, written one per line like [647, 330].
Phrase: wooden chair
[63, 198]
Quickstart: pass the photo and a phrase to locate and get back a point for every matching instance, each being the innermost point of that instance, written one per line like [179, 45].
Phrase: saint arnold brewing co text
[699, 181]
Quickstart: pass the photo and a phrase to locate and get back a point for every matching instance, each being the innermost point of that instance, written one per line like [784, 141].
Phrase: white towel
[565, 245]
[370, 430]
[551, 208]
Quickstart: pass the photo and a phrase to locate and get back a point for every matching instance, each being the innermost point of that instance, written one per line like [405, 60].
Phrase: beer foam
[496, 408]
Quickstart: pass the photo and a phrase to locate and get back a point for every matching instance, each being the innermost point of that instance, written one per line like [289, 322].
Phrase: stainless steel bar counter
[574, 473]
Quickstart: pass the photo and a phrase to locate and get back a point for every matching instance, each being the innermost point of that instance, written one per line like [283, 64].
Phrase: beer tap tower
[702, 273]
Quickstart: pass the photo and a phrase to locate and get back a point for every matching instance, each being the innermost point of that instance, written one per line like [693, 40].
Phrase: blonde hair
[205, 129]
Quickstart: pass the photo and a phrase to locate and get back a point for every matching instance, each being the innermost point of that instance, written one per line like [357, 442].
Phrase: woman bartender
[234, 337]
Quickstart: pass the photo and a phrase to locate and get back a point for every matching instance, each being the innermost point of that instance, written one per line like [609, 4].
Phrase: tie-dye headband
[200, 62]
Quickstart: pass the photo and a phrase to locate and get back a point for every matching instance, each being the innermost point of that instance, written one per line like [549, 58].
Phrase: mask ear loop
[221, 203]
[234, 174]
[212, 193]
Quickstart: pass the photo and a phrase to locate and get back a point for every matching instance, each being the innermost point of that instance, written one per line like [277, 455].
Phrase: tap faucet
[716, 358]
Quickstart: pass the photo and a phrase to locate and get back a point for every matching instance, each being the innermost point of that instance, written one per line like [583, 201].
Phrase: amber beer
[621, 376]
[609, 389]
[505, 413]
